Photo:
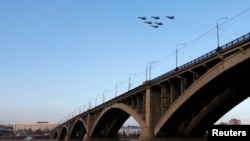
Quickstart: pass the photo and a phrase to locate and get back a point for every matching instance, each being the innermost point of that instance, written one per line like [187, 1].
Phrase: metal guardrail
[172, 72]
[195, 61]
[204, 57]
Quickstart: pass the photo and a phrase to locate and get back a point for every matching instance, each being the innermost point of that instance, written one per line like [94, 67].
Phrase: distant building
[223, 123]
[5, 130]
[130, 130]
[234, 121]
[35, 126]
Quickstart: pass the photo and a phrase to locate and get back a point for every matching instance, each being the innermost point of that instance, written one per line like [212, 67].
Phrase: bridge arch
[78, 129]
[55, 134]
[63, 133]
[112, 118]
[216, 92]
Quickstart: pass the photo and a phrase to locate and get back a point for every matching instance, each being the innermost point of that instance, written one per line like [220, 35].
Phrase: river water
[25, 139]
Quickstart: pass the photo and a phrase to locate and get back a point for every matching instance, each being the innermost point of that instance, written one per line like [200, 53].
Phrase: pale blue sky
[58, 55]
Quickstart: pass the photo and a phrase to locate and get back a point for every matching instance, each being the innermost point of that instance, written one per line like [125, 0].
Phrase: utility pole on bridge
[217, 29]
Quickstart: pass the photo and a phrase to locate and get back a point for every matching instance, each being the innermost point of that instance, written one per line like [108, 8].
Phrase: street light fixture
[103, 96]
[176, 51]
[116, 87]
[217, 28]
[130, 84]
[149, 69]
[90, 105]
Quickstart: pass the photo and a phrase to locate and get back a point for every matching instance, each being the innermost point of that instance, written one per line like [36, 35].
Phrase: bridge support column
[66, 138]
[148, 129]
[165, 97]
[75, 139]
[90, 120]
[175, 86]
[101, 139]
[86, 137]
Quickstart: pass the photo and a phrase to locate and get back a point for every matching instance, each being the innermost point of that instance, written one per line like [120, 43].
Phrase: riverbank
[29, 138]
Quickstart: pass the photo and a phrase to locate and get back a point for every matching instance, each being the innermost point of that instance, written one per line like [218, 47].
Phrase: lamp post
[130, 84]
[217, 29]
[103, 96]
[150, 63]
[116, 87]
[176, 51]
[90, 105]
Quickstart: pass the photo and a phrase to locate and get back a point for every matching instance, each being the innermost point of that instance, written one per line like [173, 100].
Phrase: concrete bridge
[178, 105]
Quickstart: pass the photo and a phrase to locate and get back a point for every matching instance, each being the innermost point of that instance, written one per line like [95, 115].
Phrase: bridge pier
[75, 140]
[146, 134]
[147, 129]
[101, 139]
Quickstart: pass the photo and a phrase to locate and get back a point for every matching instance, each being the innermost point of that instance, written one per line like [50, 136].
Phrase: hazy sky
[59, 56]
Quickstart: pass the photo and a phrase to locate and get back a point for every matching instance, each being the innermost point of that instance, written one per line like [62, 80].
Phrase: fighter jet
[156, 17]
[155, 26]
[170, 17]
[142, 18]
[158, 23]
[148, 22]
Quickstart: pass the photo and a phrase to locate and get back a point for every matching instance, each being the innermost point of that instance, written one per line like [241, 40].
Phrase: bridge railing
[172, 72]
[236, 41]
[204, 57]
[182, 67]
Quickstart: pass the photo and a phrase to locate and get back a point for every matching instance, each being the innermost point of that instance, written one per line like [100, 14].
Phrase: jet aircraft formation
[155, 24]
